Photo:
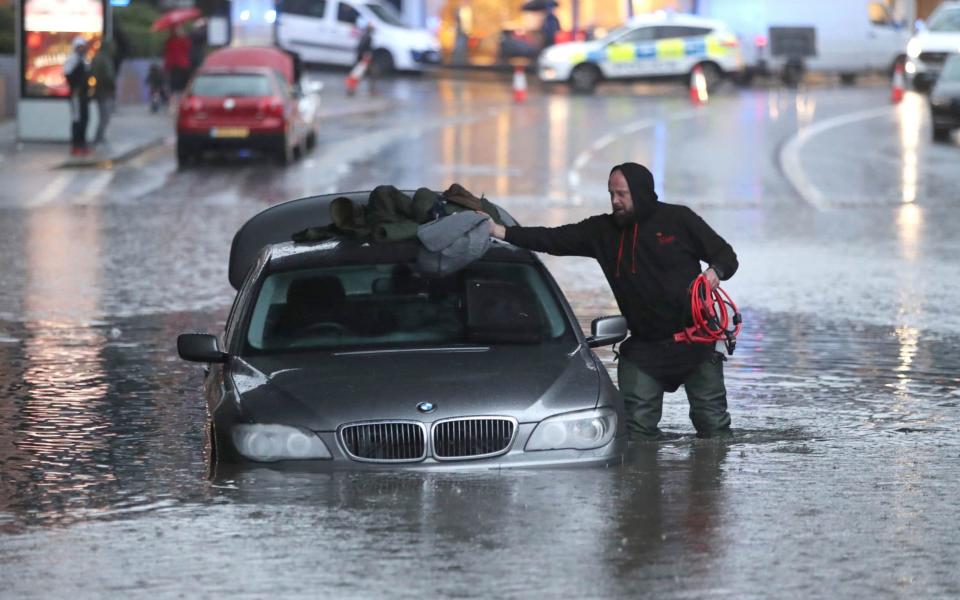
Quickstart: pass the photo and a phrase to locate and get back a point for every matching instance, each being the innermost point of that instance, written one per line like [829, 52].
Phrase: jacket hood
[642, 193]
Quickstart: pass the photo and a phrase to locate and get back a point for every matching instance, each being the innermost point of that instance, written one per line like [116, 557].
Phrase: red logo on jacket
[663, 240]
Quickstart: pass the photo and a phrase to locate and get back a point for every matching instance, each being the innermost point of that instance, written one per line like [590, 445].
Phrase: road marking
[581, 160]
[51, 190]
[790, 162]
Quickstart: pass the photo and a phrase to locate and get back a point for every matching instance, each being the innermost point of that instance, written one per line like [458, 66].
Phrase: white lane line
[573, 175]
[790, 153]
[96, 187]
[51, 190]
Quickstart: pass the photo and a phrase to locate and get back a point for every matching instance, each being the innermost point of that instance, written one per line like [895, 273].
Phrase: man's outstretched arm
[566, 240]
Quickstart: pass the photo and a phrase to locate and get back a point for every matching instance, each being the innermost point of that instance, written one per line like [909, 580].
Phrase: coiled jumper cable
[715, 316]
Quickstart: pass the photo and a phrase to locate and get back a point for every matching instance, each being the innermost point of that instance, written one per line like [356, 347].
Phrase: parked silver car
[340, 353]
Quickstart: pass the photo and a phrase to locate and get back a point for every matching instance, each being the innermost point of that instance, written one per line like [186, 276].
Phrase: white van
[326, 31]
[789, 38]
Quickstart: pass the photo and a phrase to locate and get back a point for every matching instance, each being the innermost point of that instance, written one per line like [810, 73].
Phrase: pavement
[134, 130]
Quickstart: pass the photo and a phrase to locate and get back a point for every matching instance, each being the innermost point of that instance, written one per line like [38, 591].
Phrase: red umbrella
[177, 16]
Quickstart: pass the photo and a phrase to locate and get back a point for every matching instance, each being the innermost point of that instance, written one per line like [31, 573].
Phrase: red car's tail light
[191, 105]
[271, 107]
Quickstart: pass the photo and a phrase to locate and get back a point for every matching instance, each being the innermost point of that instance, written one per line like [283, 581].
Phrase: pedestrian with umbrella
[176, 50]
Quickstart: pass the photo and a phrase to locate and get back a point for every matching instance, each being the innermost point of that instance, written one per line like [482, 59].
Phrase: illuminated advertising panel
[49, 27]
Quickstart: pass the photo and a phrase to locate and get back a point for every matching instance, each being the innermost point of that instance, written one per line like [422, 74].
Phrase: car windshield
[231, 84]
[391, 305]
[387, 15]
[951, 69]
[946, 20]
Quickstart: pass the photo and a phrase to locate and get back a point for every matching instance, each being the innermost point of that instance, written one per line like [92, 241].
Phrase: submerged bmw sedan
[340, 353]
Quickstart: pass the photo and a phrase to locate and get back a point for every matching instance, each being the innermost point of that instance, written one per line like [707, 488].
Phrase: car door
[679, 47]
[630, 54]
[345, 34]
[886, 37]
[301, 27]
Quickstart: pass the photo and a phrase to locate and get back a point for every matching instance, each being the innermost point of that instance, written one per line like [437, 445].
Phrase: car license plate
[229, 132]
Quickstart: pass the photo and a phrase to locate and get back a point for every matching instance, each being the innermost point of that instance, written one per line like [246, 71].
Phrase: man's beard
[624, 217]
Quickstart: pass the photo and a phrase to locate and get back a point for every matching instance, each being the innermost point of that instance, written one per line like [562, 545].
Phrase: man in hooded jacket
[650, 253]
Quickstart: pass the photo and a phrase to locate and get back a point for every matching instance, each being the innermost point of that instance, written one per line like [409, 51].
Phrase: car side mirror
[200, 347]
[605, 331]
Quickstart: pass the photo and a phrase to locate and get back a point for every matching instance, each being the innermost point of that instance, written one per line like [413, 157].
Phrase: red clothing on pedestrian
[176, 52]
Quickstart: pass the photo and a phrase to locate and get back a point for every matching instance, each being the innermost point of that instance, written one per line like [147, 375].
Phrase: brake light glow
[271, 107]
[730, 42]
[191, 105]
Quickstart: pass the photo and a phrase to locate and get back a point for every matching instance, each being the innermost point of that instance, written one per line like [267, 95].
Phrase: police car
[654, 46]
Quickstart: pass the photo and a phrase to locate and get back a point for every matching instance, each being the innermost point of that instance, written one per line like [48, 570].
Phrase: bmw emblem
[426, 407]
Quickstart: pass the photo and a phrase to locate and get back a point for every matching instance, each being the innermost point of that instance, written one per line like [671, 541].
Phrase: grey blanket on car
[453, 242]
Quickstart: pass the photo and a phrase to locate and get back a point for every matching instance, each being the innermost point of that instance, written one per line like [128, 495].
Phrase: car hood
[938, 41]
[322, 392]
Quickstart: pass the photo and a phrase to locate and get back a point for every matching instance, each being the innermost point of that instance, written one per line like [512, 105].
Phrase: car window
[638, 35]
[387, 15]
[231, 84]
[945, 20]
[677, 31]
[306, 8]
[347, 14]
[951, 69]
[879, 14]
[390, 305]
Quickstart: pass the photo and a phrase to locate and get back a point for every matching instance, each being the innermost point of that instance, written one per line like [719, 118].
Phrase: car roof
[253, 56]
[662, 17]
[273, 228]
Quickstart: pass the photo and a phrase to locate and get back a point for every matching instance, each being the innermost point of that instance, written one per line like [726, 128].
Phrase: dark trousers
[706, 393]
[79, 118]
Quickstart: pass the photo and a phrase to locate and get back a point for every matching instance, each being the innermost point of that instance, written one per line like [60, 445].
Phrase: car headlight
[269, 443]
[581, 430]
[913, 48]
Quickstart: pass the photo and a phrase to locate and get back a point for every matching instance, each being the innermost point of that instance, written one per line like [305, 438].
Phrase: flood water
[840, 481]
[842, 476]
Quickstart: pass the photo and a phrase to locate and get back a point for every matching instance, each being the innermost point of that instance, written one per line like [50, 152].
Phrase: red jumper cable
[713, 313]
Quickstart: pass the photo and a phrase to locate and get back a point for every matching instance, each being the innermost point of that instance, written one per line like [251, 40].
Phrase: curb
[107, 162]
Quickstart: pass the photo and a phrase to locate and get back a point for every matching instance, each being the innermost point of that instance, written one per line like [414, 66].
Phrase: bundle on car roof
[383, 215]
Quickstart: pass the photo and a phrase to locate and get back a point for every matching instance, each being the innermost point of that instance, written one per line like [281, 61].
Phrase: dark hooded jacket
[649, 264]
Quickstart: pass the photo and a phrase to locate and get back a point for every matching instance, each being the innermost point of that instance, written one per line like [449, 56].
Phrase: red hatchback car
[246, 98]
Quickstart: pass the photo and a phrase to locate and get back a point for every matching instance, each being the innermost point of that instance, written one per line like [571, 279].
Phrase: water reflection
[669, 503]
[911, 112]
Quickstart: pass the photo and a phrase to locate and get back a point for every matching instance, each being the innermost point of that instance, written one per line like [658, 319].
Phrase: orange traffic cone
[897, 83]
[698, 86]
[356, 74]
[519, 85]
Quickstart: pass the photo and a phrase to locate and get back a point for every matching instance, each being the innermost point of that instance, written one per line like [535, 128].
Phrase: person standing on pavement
[77, 72]
[105, 92]
[365, 47]
[650, 253]
[549, 27]
[176, 63]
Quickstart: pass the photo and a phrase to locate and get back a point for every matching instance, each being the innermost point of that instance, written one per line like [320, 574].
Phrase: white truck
[788, 38]
[328, 32]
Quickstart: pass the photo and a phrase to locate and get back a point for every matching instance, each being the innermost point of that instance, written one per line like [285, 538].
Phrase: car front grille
[396, 441]
[472, 437]
[933, 58]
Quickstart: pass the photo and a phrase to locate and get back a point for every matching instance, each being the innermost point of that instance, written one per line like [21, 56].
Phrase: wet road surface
[840, 481]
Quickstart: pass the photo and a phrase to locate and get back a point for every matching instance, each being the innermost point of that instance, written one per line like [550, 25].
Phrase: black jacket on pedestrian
[649, 264]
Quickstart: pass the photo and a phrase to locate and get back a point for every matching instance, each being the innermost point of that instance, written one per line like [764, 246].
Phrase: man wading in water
[650, 253]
